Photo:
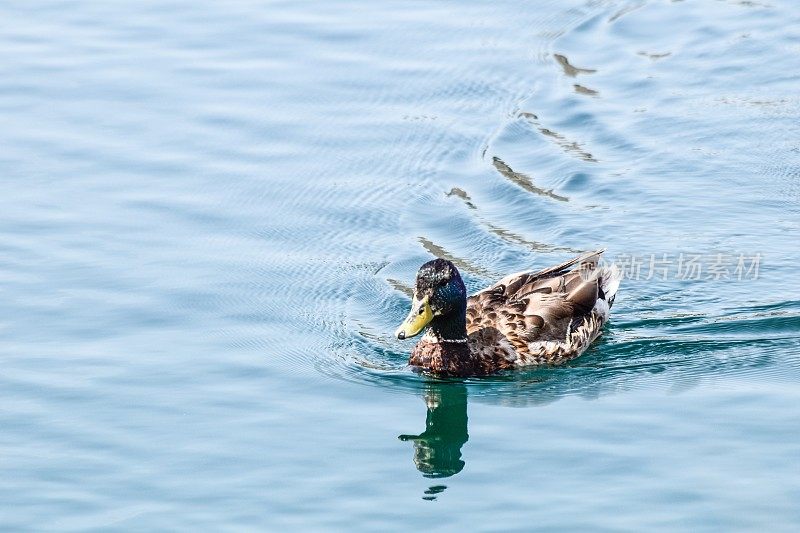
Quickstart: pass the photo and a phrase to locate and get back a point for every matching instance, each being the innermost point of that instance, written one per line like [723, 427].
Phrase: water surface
[212, 215]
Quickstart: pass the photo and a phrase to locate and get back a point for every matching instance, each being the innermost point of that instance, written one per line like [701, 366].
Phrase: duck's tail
[610, 276]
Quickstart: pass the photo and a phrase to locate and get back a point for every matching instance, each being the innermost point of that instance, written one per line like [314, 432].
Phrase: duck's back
[544, 317]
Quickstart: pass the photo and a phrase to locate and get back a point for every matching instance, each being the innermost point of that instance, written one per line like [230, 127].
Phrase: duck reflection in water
[437, 450]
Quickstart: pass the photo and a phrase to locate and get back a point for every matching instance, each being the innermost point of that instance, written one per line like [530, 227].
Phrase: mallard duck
[525, 319]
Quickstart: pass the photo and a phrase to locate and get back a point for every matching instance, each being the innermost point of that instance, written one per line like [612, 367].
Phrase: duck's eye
[421, 309]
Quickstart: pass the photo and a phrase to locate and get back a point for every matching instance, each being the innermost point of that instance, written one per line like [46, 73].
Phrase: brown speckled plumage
[532, 318]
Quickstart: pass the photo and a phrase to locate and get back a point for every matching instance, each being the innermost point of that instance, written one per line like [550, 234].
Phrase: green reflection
[437, 450]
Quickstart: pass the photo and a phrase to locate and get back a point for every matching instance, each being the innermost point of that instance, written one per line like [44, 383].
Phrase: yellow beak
[417, 319]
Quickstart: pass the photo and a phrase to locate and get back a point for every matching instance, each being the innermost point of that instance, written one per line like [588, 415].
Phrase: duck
[526, 319]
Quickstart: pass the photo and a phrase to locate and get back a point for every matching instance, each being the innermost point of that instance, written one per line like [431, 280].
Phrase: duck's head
[438, 292]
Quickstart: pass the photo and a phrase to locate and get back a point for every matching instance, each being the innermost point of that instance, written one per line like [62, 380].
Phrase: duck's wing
[515, 283]
[525, 309]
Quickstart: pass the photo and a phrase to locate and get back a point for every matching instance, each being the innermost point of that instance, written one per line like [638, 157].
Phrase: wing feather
[545, 305]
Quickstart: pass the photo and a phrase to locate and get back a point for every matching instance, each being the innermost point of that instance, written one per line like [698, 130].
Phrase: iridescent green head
[438, 292]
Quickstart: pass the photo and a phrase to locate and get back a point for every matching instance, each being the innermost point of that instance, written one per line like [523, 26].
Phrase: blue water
[212, 214]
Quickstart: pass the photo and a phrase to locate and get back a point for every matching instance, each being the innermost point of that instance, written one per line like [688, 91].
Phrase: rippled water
[212, 214]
